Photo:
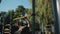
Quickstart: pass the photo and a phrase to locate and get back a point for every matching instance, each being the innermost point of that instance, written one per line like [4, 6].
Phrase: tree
[0, 1]
[43, 6]
[19, 10]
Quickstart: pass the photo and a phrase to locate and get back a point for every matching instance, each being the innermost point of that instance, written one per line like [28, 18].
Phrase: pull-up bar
[56, 16]
[33, 16]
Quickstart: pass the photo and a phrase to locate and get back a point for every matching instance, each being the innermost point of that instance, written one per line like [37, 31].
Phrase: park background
[44, 18]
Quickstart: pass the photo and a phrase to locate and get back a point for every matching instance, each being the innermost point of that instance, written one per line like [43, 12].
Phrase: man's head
[22, 22]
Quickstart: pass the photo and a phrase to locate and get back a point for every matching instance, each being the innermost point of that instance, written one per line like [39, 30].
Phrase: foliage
[43, 7]
[0, 1]
[11, 14]
[43, 13]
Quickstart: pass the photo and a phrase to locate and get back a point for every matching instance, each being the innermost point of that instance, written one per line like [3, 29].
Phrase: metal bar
[56, 24]
[58, 11]
[33, 16]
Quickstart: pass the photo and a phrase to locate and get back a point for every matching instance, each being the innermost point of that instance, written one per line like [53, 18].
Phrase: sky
[6, 5]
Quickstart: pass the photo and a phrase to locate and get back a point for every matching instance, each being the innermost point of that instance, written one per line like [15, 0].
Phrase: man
[23, 26]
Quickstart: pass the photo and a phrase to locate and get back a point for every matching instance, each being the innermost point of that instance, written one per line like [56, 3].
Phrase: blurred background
[11, 9]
